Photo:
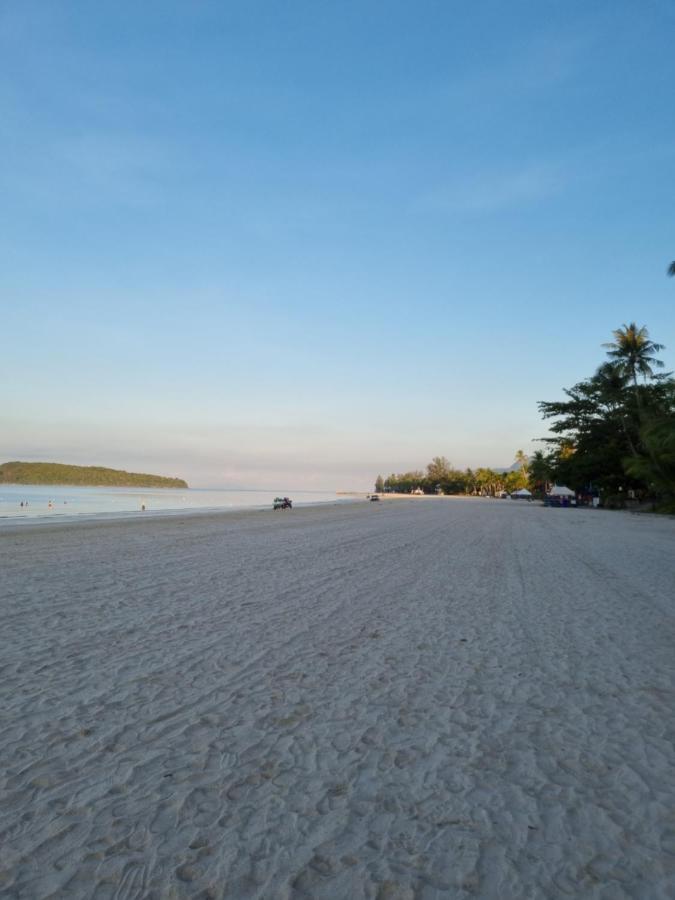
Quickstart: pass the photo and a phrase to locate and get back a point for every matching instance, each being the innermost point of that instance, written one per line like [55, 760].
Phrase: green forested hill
[86, 476]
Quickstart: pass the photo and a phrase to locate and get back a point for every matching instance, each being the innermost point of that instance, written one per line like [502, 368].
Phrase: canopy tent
[523, 492]
[559, 490]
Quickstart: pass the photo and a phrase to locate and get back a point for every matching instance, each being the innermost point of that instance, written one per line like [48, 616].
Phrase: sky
[295, 245]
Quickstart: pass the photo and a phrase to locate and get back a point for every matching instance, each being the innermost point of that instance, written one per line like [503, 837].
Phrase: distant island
[84, 476]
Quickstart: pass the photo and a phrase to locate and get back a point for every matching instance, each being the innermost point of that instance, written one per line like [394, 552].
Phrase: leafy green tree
[469, 481]
[439, 470]
[656, 467]
[442, 477]
[611, 381]
[523, 462]
[488, 482]
[404, 483]
[589, 438]
[379, 484]
[540, 472]
[510, 481]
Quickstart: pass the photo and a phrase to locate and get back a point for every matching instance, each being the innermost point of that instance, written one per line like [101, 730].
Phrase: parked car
[373, 497]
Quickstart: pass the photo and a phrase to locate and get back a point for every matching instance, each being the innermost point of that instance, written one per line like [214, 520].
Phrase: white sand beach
[442, 699]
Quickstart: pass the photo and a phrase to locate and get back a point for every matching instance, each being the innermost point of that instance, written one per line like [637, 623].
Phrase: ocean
[32, 502]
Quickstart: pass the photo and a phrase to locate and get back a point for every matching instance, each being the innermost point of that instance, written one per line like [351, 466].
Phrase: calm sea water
[62, 502]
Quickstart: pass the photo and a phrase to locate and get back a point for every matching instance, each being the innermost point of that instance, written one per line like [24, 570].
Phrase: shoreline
[20, 523]
[345, 498]
[55, 520]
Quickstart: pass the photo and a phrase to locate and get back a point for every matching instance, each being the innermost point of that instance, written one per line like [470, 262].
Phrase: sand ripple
[417, 700]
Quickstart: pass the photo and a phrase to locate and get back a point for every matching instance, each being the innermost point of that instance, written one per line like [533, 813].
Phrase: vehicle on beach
[283, 503]
[373, 497]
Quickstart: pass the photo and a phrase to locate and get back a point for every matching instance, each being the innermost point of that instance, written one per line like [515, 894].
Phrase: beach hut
[559, 490]
[522, 494]
[559, 495]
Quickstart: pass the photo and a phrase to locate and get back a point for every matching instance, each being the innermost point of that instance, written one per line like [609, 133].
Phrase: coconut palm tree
[521, 458]
[521, 476]
[633, 352]
[539, 471]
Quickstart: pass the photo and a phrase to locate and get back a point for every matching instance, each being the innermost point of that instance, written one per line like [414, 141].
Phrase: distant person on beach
[142, 507]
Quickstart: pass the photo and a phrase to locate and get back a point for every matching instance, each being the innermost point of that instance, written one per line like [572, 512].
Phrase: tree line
[440, 477]
[613, 436]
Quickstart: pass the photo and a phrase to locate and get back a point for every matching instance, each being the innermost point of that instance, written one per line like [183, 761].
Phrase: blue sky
[295, 245]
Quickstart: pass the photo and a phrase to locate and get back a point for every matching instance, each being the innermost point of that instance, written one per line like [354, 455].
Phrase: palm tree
[539, 471]
[522, 461]
[633, 352]
[521, 458]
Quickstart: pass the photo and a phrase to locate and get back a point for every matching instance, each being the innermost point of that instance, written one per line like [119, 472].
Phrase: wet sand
[408, 699]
